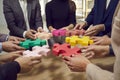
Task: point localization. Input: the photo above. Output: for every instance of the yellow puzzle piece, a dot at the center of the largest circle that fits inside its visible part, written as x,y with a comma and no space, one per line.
75,40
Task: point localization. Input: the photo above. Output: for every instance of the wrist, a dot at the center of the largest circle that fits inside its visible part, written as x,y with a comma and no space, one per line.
87,65
24,34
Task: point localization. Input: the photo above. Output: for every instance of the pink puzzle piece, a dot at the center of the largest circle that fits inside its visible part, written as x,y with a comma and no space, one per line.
37,51
75,32
65,50
60,32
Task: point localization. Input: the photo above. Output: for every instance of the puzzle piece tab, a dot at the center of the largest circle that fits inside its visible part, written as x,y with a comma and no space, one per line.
27,44
37,51
65,50
75,40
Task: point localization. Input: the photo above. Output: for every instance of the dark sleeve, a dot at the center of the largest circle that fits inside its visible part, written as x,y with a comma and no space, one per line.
48,15
3,37
108,27
90,16
72,16
39,22
10,19
9,71
111,50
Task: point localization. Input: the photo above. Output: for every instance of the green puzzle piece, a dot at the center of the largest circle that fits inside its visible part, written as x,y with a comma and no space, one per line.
27,44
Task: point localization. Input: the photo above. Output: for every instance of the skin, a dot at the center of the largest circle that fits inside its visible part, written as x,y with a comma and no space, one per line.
76,63
9,46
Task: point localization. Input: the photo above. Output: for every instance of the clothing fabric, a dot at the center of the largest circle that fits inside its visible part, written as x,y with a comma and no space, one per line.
23,4
95,73
101,15
58,14
15,18
3,37
9,71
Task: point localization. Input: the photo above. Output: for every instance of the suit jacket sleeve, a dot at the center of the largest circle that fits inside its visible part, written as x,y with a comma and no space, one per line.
95,73
9,71
3,37
48,15
72,16
90,16
10,19
38,18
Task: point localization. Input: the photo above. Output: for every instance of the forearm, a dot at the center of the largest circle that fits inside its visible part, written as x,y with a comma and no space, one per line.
39,22
95,73
9,71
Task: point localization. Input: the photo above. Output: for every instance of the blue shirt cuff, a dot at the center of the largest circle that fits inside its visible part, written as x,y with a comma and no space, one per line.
0,47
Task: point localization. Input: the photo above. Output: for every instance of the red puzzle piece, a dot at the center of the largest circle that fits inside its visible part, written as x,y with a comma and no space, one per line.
65,50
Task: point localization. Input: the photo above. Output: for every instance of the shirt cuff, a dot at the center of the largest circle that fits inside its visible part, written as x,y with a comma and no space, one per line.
24,33
0,47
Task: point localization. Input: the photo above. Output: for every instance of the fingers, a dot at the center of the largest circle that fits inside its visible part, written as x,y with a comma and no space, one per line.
90,33
16,47
40,29
36,58
67,58
21,39
89,55
33,31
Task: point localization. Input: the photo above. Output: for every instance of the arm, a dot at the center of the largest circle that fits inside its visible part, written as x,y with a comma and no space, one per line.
95,73
10,19
48,16
9,71
72,16
90,16
3,37
38,18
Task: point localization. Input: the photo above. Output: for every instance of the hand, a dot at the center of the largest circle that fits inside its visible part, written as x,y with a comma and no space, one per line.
27,63
69,27
105,40
9,46
10,56
40,29
77,63
94,30
81,25
13,38
30,34
95,51
51,28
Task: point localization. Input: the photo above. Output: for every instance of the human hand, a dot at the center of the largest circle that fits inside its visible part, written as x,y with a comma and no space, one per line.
95,51
76,63
9,46
40,29
10,56
81,25
51,28
30,34
27,63
94,30
13,38
104,40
